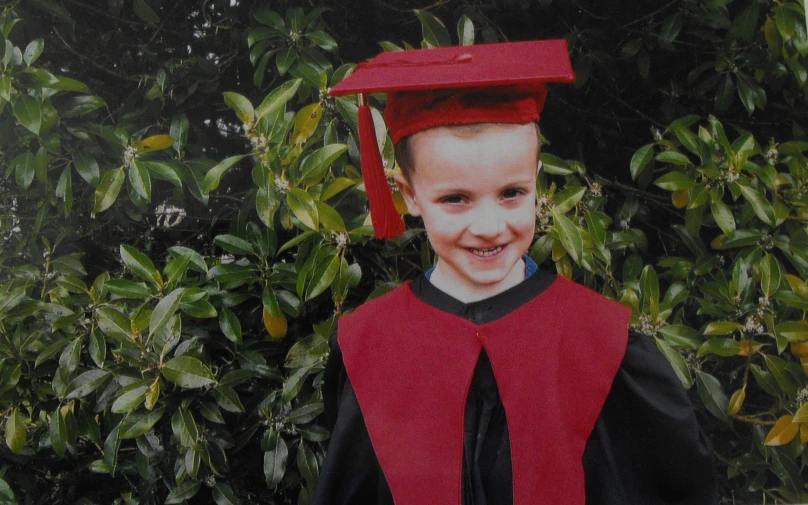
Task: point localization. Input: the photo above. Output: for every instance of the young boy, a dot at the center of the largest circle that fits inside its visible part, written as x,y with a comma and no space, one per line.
488,381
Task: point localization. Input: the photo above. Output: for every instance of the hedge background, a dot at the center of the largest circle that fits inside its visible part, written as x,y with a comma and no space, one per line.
183,221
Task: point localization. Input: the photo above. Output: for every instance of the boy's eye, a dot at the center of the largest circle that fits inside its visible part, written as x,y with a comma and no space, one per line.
452,199
510,194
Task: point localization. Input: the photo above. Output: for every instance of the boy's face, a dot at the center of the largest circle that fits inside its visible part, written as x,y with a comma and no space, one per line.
476,191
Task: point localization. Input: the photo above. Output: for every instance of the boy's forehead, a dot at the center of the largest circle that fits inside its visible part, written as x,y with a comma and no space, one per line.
447,155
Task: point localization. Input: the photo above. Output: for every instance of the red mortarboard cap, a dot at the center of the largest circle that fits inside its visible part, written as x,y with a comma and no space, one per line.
488,83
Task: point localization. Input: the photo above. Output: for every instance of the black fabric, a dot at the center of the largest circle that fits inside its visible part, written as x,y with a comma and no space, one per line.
646,447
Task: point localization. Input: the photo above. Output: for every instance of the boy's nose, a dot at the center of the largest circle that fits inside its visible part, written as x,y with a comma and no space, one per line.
487,223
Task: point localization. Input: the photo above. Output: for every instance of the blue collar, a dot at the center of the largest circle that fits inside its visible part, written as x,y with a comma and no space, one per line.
530,268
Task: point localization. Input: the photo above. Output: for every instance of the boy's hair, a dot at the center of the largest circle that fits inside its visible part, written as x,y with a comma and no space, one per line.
404,156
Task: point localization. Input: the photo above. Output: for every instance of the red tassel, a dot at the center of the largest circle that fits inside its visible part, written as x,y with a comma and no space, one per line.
387,223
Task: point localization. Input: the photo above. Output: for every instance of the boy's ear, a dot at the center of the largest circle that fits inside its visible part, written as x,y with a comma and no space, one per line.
408,193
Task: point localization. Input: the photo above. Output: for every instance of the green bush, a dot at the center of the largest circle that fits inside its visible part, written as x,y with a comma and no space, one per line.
190,367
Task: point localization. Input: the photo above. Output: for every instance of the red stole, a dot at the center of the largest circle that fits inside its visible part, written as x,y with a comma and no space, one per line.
554,359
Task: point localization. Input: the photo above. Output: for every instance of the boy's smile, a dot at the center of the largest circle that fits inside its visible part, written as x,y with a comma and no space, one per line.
475,188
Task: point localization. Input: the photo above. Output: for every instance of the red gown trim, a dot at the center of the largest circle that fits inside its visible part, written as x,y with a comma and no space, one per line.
554,360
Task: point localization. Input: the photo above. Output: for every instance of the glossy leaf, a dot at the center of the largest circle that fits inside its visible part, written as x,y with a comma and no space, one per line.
278,98
242,106
433,30
15,432
783,431
28,112
275,463
214,175
108,188
188,372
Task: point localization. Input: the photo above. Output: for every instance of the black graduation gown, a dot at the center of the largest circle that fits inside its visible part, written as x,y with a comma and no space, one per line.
646,447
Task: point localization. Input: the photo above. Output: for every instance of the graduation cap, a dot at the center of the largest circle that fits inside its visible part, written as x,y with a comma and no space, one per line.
426,88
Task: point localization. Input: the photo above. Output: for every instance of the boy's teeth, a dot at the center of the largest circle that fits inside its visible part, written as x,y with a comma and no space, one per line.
487,252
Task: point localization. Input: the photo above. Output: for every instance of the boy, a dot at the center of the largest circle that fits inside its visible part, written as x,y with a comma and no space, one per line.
486,381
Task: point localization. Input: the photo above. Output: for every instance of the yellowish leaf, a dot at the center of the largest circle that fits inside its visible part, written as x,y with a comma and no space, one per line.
680,197
736,402
155,143
306,122
804,433
801,415
800,349
804,363
401,205
794,282
276,325
749,347
783,432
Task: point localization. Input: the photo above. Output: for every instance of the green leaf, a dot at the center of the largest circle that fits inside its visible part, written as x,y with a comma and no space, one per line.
57,429
285,59
640,160
275,463
770,275
793,331
139,264
554,165
322,280
128,289
130,399
228,399
302,206
144,12
194,257
315,165
568,198
86,383
183,492
278,97
223,495
114,324
322,39
214,175
242,106
270,302
15,432
722,328
434,31
336,186
675,180
677,362
87,167
673,157
108,189
763,209
165,310
649,284
465,31
681,336
188,372
233,244
81,105
720,346
140,180
28,112
230,325
111,446
25,170
68,84
329,217
570,236
723,216
139,422
33,51
712,394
